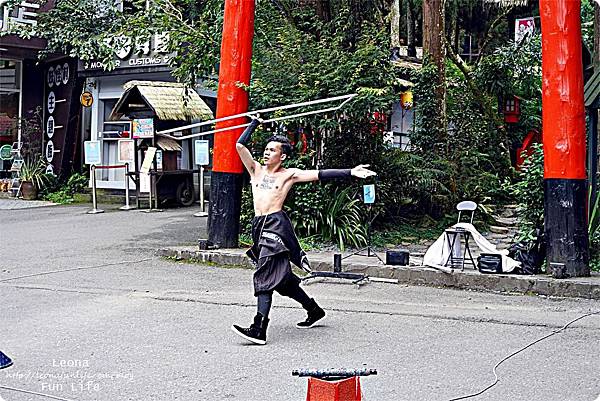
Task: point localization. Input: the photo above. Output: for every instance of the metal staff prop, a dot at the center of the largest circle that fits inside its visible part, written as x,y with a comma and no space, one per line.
345,98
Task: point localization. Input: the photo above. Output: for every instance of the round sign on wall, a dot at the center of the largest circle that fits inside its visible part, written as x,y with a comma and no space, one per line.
51,102
50,169
49,151
51,77
65,73
50,127
86,99
5,152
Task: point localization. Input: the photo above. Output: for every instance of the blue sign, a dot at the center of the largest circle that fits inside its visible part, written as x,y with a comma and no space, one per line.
92,152
369,193
201,152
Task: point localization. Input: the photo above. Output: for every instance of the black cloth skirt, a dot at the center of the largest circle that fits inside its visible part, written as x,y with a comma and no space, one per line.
275,245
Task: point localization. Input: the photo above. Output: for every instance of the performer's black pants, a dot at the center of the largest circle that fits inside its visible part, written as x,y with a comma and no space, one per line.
288,288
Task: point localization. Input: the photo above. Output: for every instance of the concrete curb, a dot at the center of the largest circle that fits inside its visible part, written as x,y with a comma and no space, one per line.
580,287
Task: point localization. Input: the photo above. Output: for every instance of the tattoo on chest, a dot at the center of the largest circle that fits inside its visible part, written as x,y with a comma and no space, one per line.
268,182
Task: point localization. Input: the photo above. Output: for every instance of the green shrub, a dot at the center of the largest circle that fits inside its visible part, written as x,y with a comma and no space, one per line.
63,194
528,193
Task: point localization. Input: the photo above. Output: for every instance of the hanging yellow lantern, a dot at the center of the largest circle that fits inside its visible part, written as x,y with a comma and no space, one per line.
406,100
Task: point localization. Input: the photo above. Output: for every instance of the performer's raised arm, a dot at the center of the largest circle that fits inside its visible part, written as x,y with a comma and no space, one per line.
249,162
360,171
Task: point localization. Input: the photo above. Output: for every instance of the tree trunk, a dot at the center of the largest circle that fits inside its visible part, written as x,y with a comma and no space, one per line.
395,24
410,29
321,7
434,49
596,60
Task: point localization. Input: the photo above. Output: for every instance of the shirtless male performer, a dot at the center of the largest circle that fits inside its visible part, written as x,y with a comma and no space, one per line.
275,243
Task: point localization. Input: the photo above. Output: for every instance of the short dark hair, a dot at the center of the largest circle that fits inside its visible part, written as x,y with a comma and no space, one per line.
286,146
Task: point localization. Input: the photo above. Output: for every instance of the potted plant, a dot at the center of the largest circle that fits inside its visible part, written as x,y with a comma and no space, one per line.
33,177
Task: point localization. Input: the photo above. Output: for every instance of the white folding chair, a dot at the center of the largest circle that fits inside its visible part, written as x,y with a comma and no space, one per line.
457,257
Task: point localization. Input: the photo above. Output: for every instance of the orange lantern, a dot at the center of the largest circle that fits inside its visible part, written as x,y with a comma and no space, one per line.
406,100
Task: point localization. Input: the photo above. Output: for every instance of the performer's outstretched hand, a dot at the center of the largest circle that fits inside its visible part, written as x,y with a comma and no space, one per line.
361,171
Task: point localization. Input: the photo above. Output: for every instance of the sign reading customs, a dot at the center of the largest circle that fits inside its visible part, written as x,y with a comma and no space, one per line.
86,99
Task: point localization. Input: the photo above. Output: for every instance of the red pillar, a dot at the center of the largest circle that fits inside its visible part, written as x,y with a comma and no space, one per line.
235,67
563,121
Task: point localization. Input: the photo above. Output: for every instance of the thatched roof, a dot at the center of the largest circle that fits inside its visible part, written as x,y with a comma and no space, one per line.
165,100
167,144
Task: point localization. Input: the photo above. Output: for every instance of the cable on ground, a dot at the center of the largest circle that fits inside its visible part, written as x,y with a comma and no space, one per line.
497,379
35,393
76,268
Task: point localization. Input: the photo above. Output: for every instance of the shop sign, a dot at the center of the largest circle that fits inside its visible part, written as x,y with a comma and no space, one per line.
49,151
65,73
58,75
159,160
143,128
50,127
24,13
201,152
524,27
86,99
144,182
91,150
5,152
369,193
126,151
51,102
130,54
148,159
50,77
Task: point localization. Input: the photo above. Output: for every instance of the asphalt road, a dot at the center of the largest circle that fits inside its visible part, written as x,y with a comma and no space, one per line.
87,312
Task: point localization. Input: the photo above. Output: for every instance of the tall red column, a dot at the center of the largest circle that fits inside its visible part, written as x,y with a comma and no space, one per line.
563,121
232,98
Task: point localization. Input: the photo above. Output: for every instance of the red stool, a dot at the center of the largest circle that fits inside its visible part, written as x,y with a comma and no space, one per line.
334,384
339,390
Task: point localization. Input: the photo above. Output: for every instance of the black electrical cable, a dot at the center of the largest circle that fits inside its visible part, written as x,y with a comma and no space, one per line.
518,351
124,262
35,393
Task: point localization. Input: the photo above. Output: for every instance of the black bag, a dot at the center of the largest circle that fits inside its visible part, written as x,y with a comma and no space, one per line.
530,253
489,263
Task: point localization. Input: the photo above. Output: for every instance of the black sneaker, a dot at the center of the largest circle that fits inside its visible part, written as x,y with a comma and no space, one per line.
315,313
256,333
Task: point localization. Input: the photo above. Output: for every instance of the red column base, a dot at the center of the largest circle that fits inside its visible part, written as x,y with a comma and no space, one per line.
339,390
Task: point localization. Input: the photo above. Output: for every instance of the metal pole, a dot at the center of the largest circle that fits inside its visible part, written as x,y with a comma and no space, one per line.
201,213
95,209
127,206
153,190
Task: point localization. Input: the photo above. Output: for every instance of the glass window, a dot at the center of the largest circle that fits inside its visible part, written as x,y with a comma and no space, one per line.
10,100
113,129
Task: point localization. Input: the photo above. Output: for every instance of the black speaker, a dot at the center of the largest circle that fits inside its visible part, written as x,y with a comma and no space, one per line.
397,258
489,263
